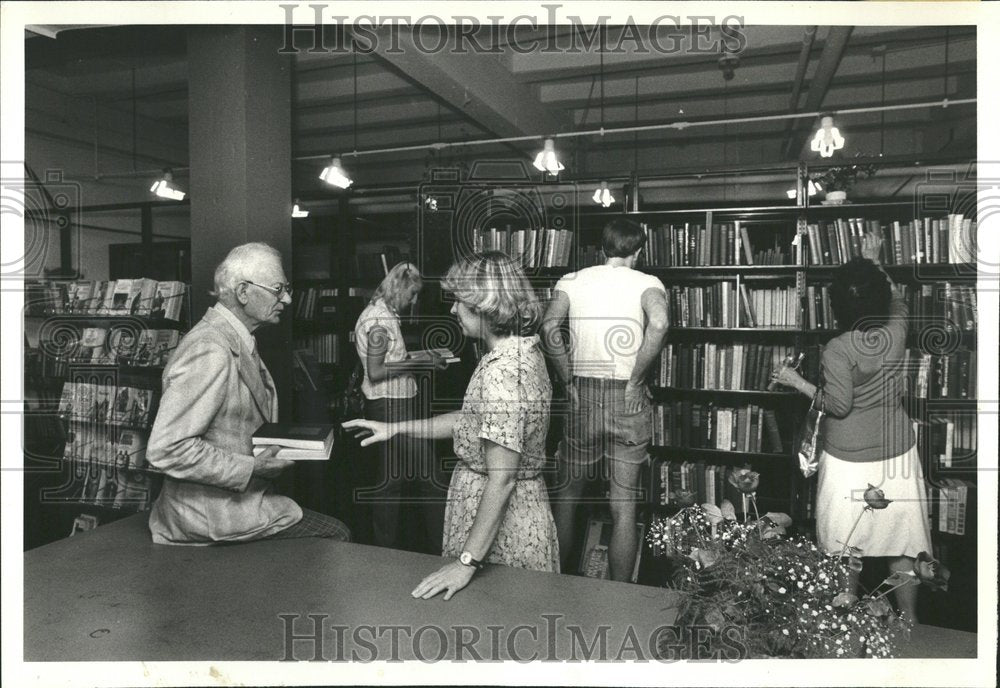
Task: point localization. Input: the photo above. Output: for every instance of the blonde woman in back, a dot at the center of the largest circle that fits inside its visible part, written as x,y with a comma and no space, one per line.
390,391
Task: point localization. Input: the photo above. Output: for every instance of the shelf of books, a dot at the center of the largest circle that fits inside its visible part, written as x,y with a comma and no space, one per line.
101,347
747,287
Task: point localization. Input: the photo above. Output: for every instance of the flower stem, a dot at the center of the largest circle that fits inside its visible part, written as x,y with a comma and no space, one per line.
847,542
883,594
753,500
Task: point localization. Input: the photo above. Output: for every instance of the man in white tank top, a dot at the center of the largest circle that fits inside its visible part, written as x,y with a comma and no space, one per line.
617,322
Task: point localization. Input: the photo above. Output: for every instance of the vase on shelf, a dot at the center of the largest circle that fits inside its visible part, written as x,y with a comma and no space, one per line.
836,197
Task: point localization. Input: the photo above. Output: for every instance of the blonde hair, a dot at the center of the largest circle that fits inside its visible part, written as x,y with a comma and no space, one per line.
494,285
401,277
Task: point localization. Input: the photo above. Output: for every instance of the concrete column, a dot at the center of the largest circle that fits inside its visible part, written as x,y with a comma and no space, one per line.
239,102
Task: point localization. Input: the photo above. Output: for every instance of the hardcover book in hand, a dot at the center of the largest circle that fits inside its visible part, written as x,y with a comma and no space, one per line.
445,353
298,441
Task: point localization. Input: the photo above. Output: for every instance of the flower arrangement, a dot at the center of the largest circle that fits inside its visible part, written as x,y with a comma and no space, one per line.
791,598
843,177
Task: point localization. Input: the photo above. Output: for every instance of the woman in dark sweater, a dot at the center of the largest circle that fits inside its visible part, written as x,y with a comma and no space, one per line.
867,436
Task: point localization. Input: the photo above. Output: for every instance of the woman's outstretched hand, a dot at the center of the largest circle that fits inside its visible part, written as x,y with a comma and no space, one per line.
370,431
451,578
871,247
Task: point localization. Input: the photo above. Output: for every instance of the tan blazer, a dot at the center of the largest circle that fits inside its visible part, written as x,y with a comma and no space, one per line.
214,398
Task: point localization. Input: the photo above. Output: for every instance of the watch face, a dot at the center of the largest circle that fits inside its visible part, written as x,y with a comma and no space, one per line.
465,558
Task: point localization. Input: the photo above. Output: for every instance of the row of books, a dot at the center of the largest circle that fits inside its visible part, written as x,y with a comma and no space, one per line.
719,366
717,244
949,239
955,305
323,346
944,376
949,502
818,312
949,439
104,485
532,248
693,425
106,403
122,345
708,482
122,448
315,303
142,296
722,304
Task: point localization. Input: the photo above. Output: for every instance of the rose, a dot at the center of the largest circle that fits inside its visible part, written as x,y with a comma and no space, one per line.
875,498
745,480
728,510
931,572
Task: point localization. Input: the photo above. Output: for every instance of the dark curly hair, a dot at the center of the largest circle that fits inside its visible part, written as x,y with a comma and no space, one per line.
860,295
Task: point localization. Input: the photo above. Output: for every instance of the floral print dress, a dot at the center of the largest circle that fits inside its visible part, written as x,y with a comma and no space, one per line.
507,402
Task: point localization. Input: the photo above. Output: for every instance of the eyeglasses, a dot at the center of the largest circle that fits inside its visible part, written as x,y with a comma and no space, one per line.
279,292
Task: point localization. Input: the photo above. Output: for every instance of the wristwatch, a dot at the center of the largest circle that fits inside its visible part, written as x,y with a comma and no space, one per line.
465,559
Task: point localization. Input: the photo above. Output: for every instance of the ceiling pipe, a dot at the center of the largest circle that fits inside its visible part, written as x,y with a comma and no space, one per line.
801,67
819,85
679,126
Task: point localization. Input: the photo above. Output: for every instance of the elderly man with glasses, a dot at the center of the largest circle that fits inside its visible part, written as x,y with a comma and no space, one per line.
216,393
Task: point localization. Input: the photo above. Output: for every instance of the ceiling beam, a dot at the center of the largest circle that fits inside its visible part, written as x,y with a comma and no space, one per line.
476,85
894,77
776,53
829,61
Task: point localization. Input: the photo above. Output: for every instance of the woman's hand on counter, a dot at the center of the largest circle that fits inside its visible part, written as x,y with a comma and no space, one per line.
451,578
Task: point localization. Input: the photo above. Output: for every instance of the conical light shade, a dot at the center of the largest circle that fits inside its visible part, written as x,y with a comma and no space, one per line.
603,195
546,160
334,175
827,138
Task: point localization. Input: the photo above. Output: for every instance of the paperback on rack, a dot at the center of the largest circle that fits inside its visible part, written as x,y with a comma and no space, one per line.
140,296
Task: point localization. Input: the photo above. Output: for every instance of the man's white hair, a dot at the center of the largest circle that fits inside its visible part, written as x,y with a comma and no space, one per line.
240,265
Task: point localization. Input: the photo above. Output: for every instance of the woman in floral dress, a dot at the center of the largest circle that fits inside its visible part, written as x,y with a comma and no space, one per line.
498,509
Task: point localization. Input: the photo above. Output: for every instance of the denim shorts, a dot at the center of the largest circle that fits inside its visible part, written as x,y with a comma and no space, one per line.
599,425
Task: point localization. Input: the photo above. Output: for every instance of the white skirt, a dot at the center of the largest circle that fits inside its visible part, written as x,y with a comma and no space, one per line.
901,529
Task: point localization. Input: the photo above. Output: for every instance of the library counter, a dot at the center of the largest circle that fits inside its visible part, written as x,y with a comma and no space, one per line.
111,594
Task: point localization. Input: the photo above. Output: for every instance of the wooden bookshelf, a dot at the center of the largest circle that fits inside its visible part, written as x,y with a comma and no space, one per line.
792,220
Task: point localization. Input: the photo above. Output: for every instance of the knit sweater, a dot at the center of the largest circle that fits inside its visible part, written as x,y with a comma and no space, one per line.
864,378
